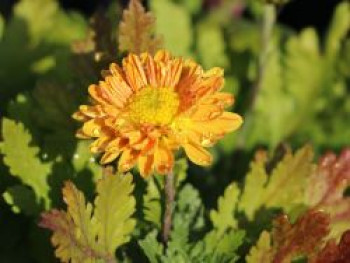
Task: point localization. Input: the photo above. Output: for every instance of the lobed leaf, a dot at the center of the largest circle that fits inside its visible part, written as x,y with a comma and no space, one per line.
285,187
136,30
289,241
262,252
339,28
333,252
326,187
303,238
151,247
73,231
114,207
23,160
84,234
224,217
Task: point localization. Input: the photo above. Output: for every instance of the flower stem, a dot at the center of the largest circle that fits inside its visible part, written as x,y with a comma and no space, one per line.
269,20
267,25
169,203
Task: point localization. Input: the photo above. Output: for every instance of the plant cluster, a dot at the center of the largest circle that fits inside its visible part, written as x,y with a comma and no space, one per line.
260,201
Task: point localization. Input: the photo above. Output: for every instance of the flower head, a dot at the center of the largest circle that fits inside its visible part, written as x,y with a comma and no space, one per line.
150,107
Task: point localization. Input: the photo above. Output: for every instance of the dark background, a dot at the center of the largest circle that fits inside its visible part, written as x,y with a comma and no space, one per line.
297,13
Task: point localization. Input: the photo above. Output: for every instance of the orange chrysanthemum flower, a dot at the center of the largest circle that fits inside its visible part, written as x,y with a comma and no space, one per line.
152,106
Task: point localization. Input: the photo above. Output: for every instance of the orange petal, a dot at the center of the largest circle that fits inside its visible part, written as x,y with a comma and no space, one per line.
225,123
134,136
219,98
95,93
92,111
198,154
162,56
127,160
81,135
206,112
150,70
134,72
80,116
109,157
163,159
146,165
92,128
99,145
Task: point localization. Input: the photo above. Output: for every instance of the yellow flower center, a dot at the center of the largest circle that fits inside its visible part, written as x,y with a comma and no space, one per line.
156,106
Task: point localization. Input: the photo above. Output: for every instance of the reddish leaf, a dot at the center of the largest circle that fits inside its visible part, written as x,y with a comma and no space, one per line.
300,239
333,253
326,190
136,30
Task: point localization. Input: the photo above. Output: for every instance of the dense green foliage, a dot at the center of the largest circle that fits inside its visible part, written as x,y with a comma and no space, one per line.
292,89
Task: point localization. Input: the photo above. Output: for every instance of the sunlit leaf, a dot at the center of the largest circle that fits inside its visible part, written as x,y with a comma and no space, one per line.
326,189
262,252
113,210
87,234
284,188
23,161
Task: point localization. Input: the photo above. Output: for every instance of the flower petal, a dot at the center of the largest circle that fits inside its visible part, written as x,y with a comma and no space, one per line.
134,72
109,157
198,154
127,160
163,159
146,165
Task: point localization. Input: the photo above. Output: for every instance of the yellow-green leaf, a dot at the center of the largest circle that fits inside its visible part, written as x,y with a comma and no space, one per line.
224,217
23,160
114,208
262,252
89,234
285,187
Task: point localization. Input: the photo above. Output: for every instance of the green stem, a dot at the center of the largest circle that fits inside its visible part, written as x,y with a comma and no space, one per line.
269,20
268,23
169,189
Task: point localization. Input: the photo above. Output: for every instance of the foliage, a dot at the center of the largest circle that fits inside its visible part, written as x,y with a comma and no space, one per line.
137,29
87,234
292,204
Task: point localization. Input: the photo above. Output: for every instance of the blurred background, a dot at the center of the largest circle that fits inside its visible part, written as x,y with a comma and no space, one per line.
288,66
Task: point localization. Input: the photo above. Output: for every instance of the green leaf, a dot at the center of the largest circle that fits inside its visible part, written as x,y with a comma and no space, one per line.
211,35
222,247
152,203
339,28
224,217
193,6
82,160
22,200
152,207
87,234
114,208
151,247
46,21
23,161
284,188
188,218
177,32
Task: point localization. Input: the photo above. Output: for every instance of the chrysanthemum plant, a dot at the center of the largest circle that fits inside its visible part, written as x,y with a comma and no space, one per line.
150,112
